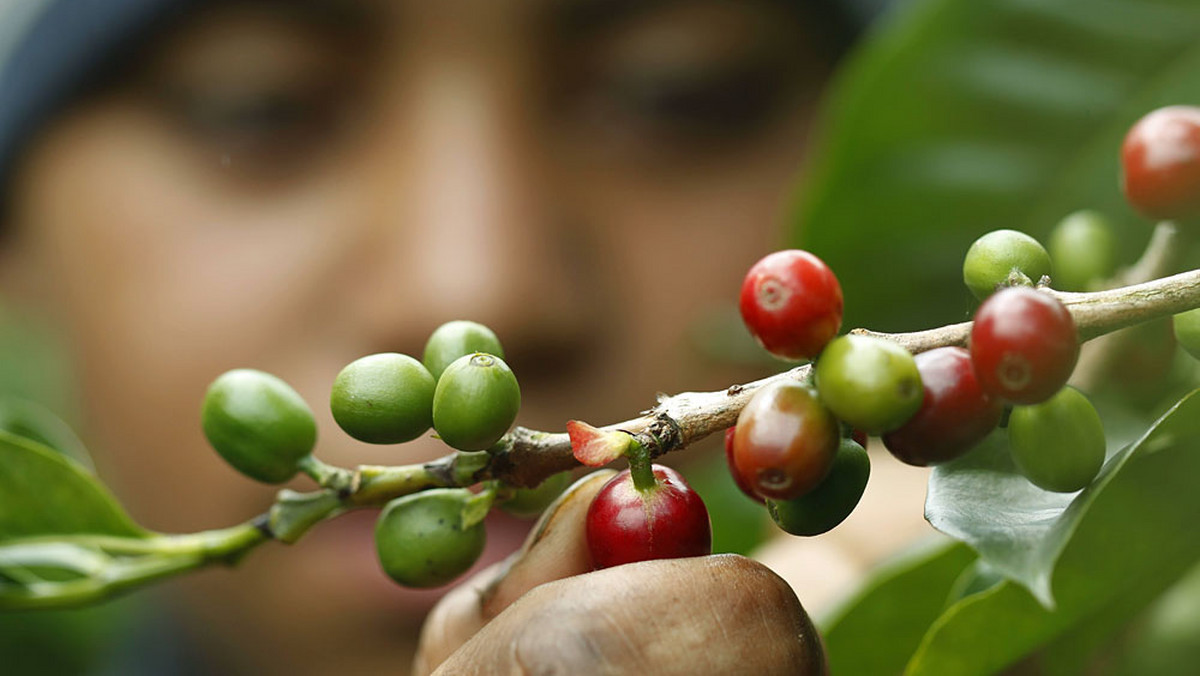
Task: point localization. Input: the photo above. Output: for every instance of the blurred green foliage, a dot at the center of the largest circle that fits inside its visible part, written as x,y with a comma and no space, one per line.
958,117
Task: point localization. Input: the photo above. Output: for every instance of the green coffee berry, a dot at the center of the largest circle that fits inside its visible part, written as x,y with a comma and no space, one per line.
422,539
1187,331
1058,444
259,424
996,255
1083,250
476,401
383,399
530,502
456,339
870,383
832,500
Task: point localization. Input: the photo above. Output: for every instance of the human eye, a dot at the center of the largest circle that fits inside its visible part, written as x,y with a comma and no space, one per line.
689,76
261,123
255,91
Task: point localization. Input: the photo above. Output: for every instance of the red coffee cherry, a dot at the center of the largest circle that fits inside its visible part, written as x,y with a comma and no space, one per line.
1160,162
785,441
954,415
792,303
1023,345
625,525
737,476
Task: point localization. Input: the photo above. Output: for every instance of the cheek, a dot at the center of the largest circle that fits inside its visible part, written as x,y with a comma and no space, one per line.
164,278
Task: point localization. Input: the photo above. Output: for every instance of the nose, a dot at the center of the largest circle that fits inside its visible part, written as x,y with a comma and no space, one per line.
465,226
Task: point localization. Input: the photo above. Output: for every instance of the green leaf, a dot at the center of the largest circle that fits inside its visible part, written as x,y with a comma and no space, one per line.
1108,552
37,423
892,610
45,493
1017,528
962,117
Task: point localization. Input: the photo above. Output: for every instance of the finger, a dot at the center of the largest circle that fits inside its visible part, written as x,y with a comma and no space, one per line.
708,615
556,548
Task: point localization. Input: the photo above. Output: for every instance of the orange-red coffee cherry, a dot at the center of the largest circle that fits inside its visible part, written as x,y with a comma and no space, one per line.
1160,162
785,441
1023,345
792,303
955,413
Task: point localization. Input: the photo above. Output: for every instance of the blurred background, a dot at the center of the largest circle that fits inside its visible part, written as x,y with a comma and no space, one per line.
192,187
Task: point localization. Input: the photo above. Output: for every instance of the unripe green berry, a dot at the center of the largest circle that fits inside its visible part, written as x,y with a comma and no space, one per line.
832,500
1187,331
423,541
258,424
476,401
1083,250
870,383
996,255
1058,444
456,339
530,502
383,399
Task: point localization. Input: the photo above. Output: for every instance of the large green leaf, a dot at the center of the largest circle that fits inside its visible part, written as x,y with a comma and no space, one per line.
1019,529
1106,554
964,116
44,493
878,629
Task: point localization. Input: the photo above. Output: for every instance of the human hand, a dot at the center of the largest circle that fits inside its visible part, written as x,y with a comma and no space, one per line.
542,611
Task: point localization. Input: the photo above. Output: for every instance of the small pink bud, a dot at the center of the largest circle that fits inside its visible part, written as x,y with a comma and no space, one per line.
595,447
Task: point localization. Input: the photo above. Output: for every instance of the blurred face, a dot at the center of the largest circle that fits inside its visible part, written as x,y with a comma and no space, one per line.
290,186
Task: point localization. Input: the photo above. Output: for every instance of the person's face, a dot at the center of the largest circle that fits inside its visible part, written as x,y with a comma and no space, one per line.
290,186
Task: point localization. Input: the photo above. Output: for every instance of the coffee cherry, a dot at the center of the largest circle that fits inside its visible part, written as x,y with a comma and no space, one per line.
871,383
1023,345
258,424
625,525
383,399
530,502
1083,250
1160,162
996,255
476,401
423,541
955,413
784,441
1187,331
456,339
832,501
1059,444
792,303
738,479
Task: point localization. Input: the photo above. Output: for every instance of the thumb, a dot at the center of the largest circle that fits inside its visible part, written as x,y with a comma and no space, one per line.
555,549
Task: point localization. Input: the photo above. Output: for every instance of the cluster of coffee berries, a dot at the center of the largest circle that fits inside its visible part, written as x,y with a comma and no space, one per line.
793,447
462,388
787,449
1023,348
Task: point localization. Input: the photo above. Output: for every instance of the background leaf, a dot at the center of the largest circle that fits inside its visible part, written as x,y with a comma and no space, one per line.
878,629
1127,541
962,117
44,493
